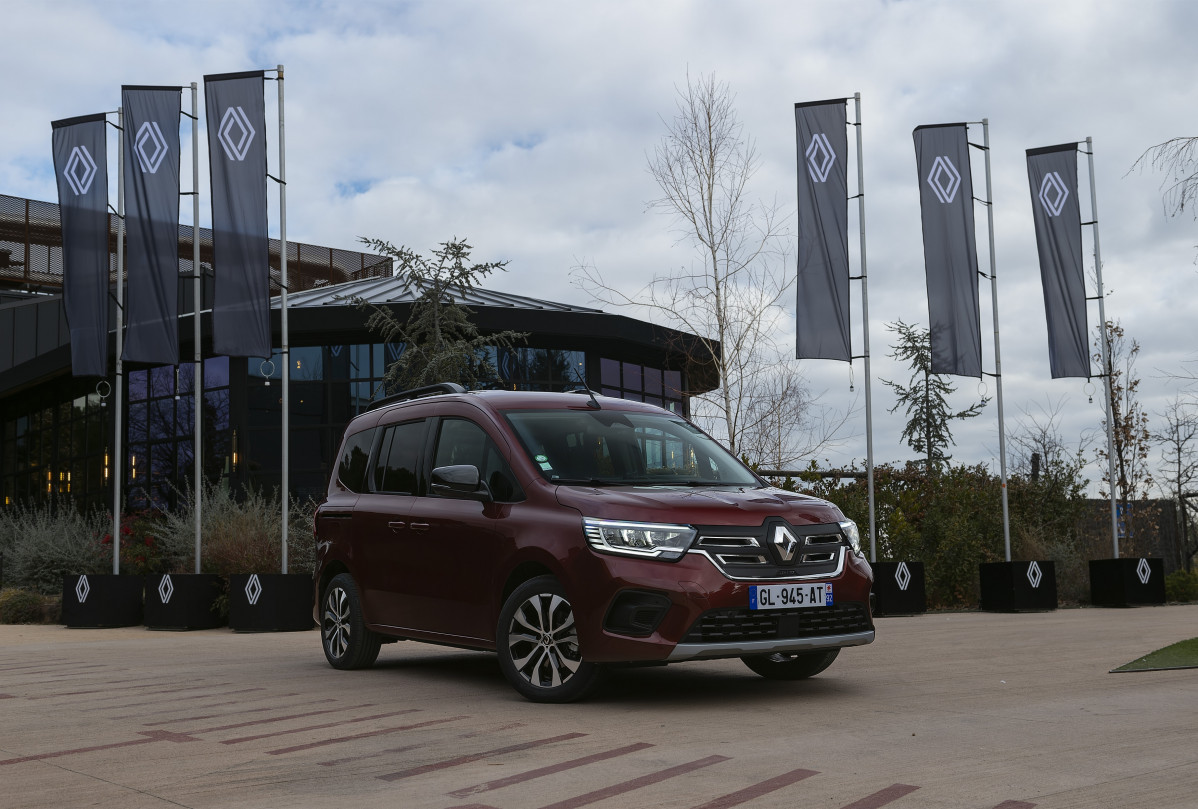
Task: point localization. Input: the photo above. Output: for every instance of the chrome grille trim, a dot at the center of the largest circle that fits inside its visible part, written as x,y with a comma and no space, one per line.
799,576
745,553
736,542
739,559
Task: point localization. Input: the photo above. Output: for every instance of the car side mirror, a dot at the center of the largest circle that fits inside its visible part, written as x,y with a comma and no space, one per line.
462,481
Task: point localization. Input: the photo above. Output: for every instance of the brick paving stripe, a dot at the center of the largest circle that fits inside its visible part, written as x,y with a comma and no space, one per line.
552,769
764,788
499,751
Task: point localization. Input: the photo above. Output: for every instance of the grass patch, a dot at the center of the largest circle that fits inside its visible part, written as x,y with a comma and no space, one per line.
1183,655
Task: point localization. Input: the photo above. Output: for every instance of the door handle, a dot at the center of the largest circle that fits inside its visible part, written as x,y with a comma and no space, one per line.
419,526
396,525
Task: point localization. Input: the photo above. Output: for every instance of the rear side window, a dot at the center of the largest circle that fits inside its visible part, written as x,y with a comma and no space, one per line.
464,442
355,455
399,455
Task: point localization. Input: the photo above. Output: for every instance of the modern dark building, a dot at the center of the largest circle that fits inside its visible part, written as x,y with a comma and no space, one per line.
57,431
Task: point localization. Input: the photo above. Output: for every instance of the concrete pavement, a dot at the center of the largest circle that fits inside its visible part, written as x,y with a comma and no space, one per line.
952,710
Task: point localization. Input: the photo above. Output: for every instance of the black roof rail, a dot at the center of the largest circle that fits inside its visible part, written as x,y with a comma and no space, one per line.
417,393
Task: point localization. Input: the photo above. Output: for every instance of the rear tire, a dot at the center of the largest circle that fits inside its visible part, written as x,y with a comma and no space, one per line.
537,642
790,665
347,643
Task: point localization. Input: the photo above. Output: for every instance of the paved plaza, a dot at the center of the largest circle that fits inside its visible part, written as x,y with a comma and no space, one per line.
944,711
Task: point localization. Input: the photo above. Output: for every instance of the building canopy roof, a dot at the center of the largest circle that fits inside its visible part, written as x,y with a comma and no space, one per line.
395,290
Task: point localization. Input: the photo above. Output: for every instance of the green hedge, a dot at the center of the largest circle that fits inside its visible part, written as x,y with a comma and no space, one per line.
1182,586
20,607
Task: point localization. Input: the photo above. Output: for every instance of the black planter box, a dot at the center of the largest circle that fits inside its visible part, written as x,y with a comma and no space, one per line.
270,602
1127,582
183,601
899,588
101,600
1018,586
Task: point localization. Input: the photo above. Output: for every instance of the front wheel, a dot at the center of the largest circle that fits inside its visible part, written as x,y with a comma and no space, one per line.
348,644
537,642
790,665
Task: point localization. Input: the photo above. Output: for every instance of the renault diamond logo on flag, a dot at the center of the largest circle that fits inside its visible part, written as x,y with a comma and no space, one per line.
236,148
944,179
80,171
1053,193
786,543
149,137
820,158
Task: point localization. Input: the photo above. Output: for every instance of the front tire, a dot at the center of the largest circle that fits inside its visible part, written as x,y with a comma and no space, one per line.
537,642
790,665
347,643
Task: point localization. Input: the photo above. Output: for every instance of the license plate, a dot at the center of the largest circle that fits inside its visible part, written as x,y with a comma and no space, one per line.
789,596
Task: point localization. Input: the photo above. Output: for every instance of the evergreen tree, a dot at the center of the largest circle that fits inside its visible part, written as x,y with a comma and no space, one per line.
925,397
441,344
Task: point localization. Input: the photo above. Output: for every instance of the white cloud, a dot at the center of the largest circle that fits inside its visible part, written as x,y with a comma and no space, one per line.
524,126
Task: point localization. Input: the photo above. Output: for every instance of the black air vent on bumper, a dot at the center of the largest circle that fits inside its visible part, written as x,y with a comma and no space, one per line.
738,625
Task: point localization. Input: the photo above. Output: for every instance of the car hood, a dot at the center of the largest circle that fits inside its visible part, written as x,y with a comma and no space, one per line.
698,506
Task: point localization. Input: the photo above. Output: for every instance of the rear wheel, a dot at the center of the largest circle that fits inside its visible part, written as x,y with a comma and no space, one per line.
537,642
348,644
790,665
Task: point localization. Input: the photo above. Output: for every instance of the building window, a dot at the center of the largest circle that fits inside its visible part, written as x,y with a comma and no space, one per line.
641,383
54,445
525,368
160,430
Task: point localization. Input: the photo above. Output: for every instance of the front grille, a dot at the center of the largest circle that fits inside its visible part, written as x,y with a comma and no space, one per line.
738,625
749,552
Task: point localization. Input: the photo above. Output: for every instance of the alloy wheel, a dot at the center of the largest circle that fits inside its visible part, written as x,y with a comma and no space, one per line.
335,623
543,641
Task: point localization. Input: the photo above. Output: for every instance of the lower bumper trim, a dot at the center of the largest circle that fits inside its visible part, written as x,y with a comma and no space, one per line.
707,651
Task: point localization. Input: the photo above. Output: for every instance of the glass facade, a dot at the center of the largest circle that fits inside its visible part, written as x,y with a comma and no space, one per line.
160,429
642,383
59,440
55,442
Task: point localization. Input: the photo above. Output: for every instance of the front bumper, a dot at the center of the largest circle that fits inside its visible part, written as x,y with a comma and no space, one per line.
709,614
710,651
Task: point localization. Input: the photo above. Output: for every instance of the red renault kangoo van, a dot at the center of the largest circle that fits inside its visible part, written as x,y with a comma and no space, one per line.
570,532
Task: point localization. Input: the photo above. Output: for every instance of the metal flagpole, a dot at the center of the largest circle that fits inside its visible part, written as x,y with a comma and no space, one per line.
197,305
869,415
119,457
1002,438
1106,352
286,495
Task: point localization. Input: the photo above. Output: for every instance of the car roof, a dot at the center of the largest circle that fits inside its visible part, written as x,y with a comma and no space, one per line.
529,400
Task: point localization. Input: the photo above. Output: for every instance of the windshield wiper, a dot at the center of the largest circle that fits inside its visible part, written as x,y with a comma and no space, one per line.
585,482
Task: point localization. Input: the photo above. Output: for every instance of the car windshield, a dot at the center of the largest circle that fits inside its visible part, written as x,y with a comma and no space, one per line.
620,448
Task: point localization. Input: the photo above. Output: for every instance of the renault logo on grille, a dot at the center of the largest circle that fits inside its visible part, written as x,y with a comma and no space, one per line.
785,542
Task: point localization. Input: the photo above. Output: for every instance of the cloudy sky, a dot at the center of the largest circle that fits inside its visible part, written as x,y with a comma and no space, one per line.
525,126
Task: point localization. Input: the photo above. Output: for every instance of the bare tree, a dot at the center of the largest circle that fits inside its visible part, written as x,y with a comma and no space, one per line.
1179,450
783,425
1037,446
1178,159
729,295
1131,435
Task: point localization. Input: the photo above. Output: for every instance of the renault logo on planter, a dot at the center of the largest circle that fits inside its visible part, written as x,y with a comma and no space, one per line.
785,542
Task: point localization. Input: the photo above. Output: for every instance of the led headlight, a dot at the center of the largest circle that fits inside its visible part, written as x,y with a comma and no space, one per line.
849,528
653,540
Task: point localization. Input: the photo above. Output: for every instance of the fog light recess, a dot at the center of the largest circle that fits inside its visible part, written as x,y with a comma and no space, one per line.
636,612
